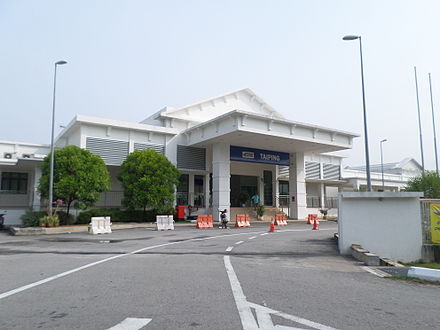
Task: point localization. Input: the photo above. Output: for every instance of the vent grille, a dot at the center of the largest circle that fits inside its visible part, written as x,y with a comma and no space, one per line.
191,158
160,149
332,172
111,151
283,171
313,170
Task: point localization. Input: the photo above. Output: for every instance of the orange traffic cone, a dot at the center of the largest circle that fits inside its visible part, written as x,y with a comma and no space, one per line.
315,225
308,220
272,227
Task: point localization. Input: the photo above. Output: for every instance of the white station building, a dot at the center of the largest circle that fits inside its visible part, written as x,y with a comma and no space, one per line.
227,148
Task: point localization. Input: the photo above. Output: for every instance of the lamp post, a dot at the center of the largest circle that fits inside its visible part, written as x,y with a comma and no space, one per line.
433,125
52,156
367,155
381,162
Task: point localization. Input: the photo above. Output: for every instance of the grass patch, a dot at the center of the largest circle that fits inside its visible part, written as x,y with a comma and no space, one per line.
412,279
434,265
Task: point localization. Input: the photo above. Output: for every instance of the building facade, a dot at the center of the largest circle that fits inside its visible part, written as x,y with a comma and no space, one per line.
227,149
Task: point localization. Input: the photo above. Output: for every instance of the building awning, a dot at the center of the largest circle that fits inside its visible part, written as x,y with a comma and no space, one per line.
248,129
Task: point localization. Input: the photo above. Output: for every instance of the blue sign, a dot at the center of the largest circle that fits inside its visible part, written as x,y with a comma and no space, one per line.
243,154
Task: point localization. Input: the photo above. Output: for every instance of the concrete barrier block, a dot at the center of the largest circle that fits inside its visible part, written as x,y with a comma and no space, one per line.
371,259
424,273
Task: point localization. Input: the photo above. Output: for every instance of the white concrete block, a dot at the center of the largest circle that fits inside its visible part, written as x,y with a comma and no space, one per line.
424,273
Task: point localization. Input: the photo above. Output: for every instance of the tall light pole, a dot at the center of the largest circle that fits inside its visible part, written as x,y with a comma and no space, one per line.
52,156
433,125
367,154
381,162
420,121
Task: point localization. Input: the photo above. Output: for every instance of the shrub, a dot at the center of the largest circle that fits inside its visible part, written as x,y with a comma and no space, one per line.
116,215
32,218
260,210
66,219
49,221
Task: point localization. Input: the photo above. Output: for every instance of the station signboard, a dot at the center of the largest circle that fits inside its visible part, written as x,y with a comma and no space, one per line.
251,155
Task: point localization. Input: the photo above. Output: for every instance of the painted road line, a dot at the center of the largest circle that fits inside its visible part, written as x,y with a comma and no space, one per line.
131,323
263,314
229,249
252,237
376,272
264,234
69,272
239,242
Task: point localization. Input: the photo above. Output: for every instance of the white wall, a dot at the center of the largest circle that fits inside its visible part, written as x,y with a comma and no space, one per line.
385,223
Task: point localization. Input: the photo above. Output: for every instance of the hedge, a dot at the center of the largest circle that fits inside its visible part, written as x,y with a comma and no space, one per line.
116,215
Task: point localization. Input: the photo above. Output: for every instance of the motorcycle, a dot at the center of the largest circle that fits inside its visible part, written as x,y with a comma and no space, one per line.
2,220
223,219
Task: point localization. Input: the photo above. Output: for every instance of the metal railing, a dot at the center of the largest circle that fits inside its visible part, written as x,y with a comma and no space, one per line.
331,202
313,201
283,204
185,198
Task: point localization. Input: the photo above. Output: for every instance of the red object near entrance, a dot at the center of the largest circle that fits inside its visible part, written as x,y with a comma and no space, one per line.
180,212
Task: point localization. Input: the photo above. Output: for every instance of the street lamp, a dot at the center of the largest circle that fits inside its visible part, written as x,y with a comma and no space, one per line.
367,156
381,162
52,156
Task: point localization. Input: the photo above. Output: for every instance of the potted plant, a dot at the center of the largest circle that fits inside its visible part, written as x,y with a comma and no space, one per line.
43,221
324,213
260,211
243,197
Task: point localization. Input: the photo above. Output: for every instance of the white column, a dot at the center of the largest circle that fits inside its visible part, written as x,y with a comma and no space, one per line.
221,176
322,194
277,187
191,189
297,186
206,190
36,199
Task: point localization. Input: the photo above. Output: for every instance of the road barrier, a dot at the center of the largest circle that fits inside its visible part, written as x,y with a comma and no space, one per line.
280,219
272,226
204,221
242,220
100,225
164,222
311,217
315,224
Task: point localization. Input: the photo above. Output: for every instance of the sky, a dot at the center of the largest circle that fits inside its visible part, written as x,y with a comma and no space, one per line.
128,59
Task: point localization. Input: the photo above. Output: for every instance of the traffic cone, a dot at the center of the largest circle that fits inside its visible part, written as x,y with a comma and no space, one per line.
272,227
315,225
308,220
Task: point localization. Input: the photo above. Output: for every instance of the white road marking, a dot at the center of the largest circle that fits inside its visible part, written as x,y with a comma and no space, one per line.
263,313
239,242
131,323
49,279
264,234
252,237
229,249
376,272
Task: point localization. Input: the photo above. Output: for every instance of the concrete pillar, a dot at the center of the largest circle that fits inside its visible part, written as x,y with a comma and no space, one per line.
297,186
36,199
261,187
322,194
191,189
206,190
221,177
276,187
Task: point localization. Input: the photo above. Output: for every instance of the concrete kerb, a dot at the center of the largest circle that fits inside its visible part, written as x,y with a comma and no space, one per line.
28,231
424,273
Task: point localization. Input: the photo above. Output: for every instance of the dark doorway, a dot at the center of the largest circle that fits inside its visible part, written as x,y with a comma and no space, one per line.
242,189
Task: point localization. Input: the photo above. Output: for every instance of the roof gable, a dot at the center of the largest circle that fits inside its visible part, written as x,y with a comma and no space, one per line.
243,99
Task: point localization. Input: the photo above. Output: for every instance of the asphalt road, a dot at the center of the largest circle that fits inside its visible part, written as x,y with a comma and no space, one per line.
202,279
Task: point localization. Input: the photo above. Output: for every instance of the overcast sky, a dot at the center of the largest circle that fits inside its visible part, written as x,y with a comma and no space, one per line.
127,59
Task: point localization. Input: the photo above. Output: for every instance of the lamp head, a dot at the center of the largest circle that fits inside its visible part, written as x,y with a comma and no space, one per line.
350,37
60,62
384,140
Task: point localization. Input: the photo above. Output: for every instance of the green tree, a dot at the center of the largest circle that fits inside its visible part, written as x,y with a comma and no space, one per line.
149,180
79,176
427,182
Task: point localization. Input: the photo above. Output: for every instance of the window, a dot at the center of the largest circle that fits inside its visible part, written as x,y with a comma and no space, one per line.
14,182
284,187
